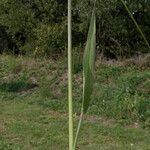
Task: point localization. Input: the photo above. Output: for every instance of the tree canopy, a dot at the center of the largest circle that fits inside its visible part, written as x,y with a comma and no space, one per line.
39,27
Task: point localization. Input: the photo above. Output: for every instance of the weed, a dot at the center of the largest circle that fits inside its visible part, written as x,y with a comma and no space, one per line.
14,65
45,88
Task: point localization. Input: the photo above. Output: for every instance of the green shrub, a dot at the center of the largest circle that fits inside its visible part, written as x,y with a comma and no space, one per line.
51,39
35,28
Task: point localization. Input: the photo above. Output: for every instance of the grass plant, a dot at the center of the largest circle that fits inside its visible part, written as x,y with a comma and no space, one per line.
88,71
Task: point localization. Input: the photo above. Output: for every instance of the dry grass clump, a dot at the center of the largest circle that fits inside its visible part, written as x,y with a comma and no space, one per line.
139,61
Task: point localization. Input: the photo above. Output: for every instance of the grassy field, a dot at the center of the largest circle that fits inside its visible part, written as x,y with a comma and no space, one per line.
33,105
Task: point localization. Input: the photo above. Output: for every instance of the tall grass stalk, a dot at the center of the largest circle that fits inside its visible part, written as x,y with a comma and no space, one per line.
136,24
70,99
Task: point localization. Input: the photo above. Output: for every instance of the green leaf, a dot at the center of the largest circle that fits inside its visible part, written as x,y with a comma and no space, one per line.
88,63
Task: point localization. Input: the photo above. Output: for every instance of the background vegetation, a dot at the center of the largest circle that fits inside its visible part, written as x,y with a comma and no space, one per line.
39,27
33,105
33,90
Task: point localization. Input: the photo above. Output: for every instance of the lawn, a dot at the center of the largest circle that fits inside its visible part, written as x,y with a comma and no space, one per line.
33,105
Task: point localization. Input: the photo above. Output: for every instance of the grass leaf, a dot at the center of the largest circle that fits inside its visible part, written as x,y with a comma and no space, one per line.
88,63
136,24
88,71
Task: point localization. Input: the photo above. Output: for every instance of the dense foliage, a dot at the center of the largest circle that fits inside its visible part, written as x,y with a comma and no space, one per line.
39,27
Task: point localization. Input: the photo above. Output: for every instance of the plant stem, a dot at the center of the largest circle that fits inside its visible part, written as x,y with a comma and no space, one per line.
136,24
70,107
78,129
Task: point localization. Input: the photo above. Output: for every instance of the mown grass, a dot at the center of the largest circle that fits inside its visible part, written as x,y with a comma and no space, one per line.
33,106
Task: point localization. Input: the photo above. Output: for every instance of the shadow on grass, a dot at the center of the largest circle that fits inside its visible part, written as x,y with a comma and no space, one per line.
16,86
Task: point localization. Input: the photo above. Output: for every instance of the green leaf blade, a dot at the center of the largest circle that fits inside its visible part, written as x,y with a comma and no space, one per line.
88,64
